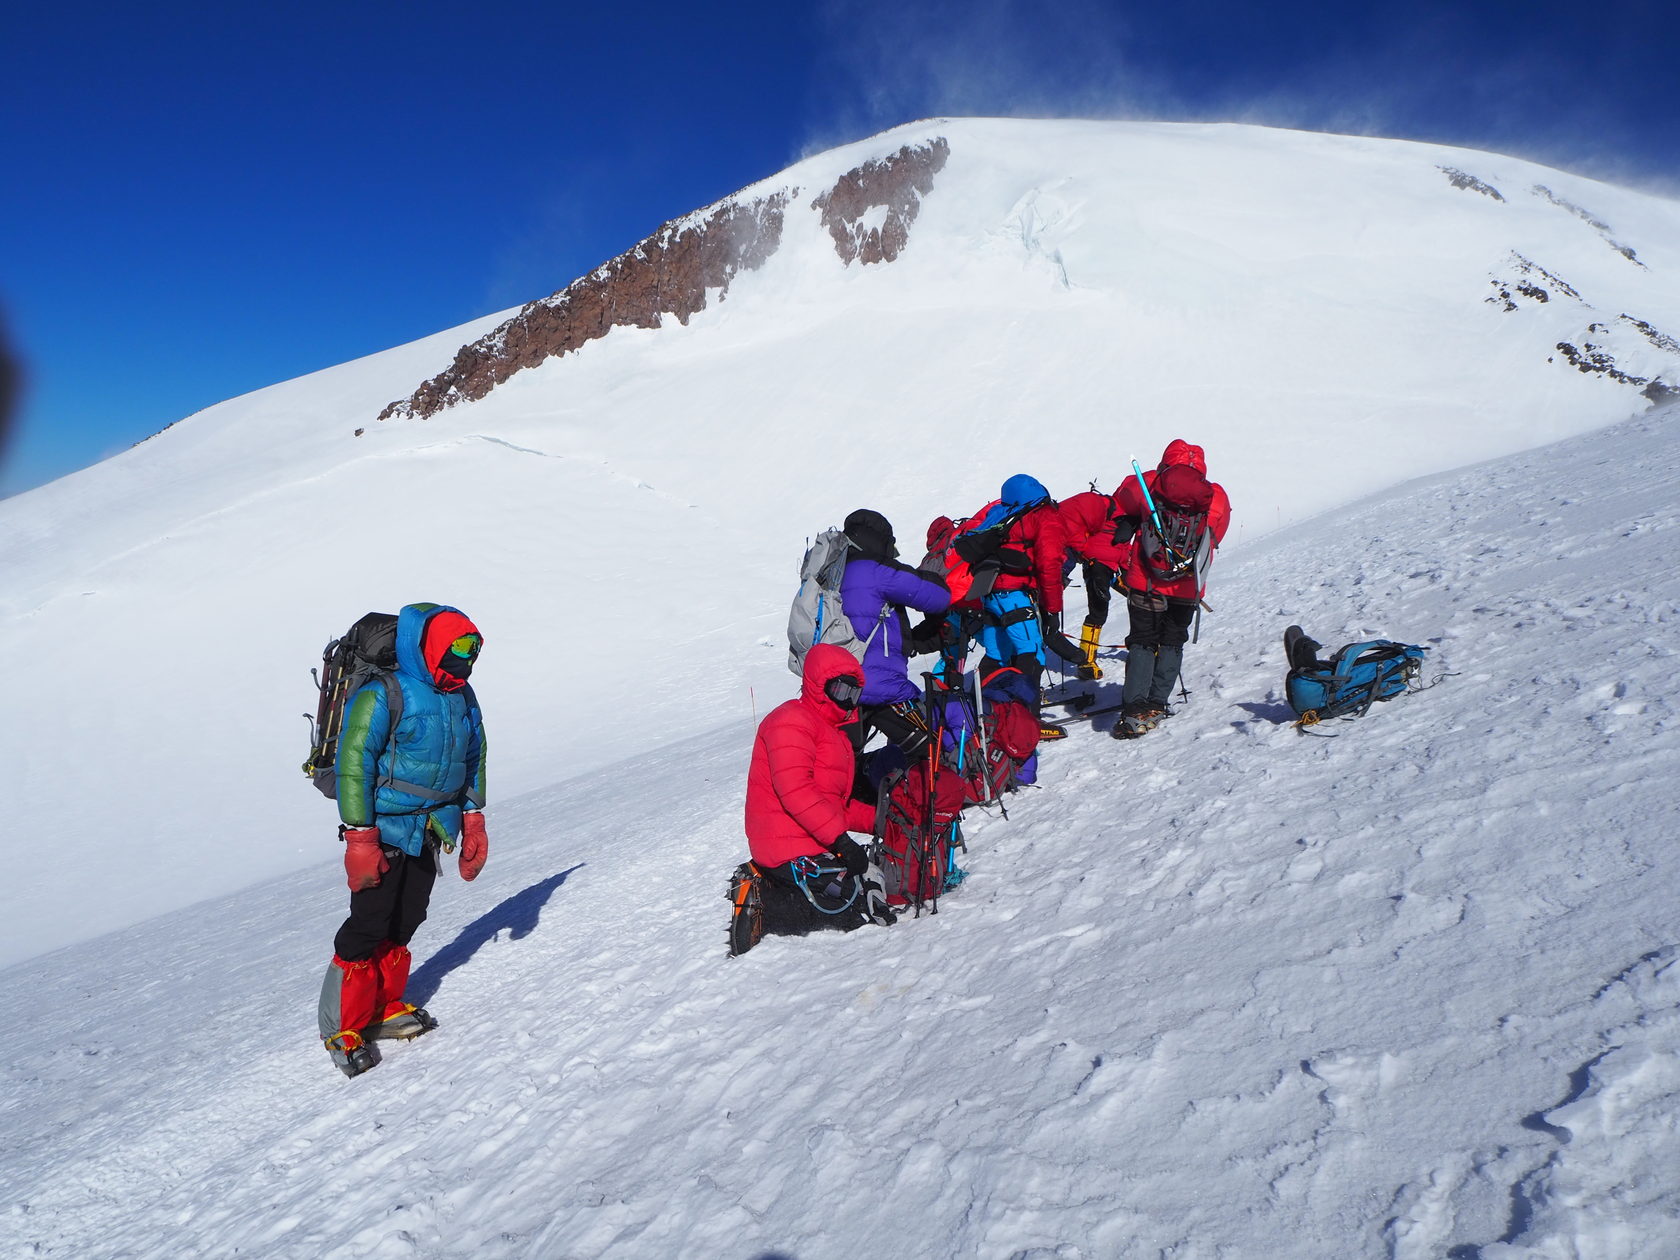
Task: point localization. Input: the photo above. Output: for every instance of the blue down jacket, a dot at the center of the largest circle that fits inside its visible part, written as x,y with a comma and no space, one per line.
438,747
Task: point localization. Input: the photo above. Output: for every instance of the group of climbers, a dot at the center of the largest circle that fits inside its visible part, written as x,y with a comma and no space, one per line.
996,578
401,745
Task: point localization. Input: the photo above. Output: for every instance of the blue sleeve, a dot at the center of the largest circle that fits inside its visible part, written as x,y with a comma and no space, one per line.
478,759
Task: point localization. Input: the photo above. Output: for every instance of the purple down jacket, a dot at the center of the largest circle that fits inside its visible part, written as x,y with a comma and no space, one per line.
874,594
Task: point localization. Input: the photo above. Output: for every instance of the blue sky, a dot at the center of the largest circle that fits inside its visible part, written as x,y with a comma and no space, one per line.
199,200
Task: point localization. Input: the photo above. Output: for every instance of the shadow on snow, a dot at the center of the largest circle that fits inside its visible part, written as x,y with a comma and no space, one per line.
517,916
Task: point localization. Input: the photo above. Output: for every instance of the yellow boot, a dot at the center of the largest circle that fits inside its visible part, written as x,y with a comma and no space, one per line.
1090,639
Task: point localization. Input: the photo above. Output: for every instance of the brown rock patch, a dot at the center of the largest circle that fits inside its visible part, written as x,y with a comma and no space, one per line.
898,182
668,273
672,272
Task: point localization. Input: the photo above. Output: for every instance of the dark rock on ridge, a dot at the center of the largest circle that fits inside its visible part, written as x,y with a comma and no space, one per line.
1463,180
1596,224
675,271
668,273
897,182
1526,283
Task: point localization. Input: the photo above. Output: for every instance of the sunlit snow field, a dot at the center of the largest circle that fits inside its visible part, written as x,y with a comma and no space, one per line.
1227,991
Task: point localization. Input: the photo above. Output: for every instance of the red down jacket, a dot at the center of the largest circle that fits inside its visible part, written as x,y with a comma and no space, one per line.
1088,520
1039,534
799,789
1129,501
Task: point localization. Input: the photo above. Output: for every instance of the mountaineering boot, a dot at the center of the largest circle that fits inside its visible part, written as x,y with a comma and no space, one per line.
1302,652
348,993
1090,640
1137,718
404,1025
746,917
352,1055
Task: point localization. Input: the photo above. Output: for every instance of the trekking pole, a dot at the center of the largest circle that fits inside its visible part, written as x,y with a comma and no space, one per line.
928,837
980,725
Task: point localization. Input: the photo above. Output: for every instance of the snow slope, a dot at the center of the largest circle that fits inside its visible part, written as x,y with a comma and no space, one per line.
1228,991
1321,312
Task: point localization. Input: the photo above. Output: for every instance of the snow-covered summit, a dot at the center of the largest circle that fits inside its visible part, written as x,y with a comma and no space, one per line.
1326,315
870,208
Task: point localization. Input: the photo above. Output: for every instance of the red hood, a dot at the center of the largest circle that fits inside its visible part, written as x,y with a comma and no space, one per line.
823,664
442,630
1181,452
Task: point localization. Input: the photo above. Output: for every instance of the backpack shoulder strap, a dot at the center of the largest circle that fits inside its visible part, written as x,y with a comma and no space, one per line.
1349,655
394,703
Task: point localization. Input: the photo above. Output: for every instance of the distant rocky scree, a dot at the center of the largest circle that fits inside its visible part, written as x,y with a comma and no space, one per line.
1524,278
869,212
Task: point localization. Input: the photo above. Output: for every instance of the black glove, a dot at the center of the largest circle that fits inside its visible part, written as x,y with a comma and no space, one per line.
851,853
1059,643
927,635
1125,529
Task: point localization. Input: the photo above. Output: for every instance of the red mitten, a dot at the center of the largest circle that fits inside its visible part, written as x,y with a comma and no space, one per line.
475,845
364,861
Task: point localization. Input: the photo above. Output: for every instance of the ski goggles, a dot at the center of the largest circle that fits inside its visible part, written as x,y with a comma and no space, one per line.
467,646
845,691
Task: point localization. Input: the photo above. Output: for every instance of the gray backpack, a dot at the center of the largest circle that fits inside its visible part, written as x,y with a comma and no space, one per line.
816,616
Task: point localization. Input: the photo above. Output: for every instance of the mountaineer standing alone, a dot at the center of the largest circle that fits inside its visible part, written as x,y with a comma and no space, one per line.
410,765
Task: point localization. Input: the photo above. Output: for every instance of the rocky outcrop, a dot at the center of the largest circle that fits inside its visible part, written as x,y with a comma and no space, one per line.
869,211
671,272
684,265
1594,358
1468,182
1591,358
1527,279
1596,224
1658,338
1522,278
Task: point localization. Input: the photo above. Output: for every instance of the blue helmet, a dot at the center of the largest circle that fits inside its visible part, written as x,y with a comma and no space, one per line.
1022,491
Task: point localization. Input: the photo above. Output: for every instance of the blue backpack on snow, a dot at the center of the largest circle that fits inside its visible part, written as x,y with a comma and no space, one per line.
1353,679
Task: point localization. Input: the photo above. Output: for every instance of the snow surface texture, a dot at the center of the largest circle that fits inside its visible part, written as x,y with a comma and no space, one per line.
1231,991
1327,315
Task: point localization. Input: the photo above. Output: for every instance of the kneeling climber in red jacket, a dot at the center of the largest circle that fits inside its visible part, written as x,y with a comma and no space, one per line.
808,872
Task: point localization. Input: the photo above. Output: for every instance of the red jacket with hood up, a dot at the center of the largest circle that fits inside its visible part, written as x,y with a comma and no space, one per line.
799,789
1088,520
1129,501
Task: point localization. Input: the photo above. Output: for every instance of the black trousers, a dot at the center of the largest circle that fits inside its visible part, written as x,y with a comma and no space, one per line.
1099,587
392,910
789,912
1167,626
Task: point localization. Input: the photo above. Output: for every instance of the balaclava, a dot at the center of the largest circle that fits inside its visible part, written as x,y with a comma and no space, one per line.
449,647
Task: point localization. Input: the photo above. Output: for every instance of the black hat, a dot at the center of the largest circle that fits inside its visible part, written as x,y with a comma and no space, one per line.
871,533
